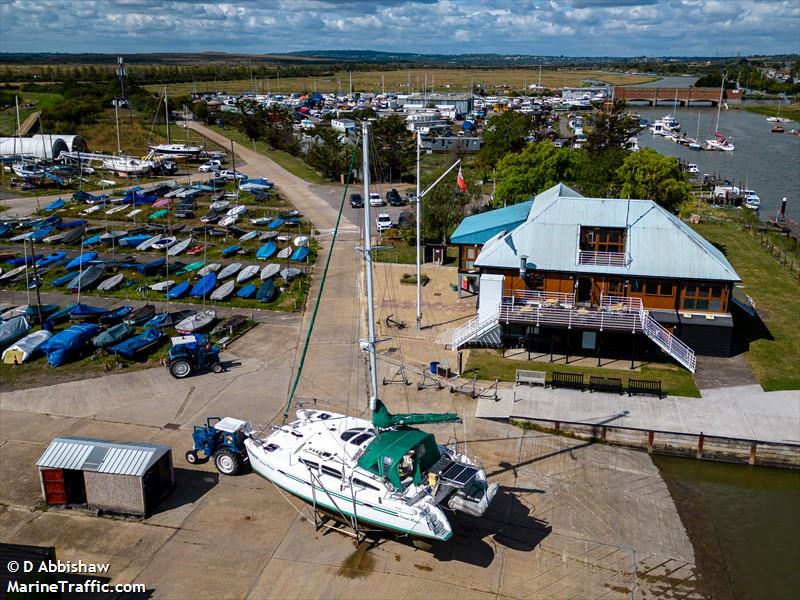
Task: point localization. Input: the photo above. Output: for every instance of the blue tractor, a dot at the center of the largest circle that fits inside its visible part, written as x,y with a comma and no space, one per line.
193,352
222,439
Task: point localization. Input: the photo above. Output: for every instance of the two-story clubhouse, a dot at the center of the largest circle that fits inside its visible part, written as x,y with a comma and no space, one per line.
591,273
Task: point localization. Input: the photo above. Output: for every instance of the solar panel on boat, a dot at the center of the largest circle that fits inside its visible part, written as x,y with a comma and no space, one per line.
460,474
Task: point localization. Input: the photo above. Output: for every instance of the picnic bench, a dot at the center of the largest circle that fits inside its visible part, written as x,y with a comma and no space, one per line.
645,387
612,385
530,377
566,380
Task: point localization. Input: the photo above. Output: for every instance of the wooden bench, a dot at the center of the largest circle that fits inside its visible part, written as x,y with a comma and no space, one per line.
530,377
645,387
612,385
566,380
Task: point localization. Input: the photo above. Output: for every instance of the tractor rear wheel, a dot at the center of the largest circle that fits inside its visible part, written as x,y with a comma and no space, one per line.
191,457
180,368
217,367
227,461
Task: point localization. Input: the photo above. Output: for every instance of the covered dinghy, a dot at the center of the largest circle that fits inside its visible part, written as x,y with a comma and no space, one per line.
112,335
13,329
139,343
26,347
63,345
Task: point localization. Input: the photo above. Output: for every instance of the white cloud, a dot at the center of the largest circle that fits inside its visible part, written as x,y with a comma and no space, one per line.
550,27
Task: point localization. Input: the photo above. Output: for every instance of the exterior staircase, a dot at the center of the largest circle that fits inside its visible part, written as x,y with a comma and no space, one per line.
543,309
483,330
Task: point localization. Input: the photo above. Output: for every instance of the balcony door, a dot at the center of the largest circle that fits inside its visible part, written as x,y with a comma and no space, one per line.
585,295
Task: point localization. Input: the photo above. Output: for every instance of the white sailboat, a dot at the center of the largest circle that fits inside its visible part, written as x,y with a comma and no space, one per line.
169,148
381,472
719,141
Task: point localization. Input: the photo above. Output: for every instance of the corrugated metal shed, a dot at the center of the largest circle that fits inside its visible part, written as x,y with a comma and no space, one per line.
659,244
88,454
477,229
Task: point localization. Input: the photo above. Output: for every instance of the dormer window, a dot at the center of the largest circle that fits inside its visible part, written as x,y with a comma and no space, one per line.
603,239
603,246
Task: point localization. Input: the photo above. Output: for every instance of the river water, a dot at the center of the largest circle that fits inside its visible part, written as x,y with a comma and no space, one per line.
766,162
744,524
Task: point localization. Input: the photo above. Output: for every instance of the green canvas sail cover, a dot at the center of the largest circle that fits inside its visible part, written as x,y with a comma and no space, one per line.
383,419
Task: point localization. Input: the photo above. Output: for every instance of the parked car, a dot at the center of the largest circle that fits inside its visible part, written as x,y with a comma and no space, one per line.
406,220
410,197
393,198
230,175
210,167
383,222
356,201
376,200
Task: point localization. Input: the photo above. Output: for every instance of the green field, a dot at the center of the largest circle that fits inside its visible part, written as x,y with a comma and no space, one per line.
791,112
438,81
777,297
40,100
489,364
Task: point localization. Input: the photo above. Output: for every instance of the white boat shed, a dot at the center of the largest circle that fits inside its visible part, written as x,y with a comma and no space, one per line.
123,478
42,146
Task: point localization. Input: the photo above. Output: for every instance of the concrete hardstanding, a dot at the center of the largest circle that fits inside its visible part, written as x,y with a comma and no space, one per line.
573,519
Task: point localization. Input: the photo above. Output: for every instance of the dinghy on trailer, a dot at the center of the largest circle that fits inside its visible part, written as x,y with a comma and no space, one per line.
180,247
209,268
196,322
203,287
270,270
111,282
26,347
229,270
223,291
162,285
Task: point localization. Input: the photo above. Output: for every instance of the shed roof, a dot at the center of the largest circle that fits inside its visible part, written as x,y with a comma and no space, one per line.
478,229
659,244
89,454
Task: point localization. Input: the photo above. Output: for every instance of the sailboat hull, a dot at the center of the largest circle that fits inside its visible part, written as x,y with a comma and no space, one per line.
366,512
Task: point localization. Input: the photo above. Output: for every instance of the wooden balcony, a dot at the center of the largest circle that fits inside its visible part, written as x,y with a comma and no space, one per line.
560,310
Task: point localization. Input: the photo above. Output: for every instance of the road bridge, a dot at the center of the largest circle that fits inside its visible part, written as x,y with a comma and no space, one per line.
685,96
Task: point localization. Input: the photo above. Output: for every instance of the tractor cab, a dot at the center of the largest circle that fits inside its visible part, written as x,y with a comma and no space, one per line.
192,352
222,439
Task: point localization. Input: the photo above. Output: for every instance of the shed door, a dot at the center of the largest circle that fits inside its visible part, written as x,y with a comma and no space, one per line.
55,492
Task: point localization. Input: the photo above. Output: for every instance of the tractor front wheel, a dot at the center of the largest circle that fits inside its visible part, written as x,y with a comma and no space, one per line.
227,462
217,367
192,458
180,369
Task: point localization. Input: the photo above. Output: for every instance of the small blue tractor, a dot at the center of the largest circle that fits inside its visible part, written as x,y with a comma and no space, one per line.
192,352
222,439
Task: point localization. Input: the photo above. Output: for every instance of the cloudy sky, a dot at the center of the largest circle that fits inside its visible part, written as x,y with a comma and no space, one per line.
549,27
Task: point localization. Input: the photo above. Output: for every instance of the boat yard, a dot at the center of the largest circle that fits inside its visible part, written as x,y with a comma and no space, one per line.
571,519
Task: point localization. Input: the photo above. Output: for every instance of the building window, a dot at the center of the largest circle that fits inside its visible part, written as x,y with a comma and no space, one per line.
702,297
659,287
615,287
602,239
470,254
637,286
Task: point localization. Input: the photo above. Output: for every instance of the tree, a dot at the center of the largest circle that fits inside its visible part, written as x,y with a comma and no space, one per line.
443,207
504,133
394,145
611,128
539,166
252,120
648,174
328,154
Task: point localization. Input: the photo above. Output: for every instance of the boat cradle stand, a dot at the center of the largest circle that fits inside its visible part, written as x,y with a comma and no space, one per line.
341,523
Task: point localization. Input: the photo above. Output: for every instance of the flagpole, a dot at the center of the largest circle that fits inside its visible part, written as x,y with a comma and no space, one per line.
419,274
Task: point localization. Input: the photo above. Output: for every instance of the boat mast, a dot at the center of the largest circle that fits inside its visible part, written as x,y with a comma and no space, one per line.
719,104
419,269
166,114
373,367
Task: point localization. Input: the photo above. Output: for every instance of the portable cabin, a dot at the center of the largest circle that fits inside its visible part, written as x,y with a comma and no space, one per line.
122,478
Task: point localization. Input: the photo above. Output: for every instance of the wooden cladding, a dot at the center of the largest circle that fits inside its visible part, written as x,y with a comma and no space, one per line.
657,294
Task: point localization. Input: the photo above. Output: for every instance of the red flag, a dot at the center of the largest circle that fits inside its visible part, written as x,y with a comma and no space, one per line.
462,185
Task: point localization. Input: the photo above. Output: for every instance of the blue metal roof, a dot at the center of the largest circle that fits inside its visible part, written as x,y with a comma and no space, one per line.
659,244
477,229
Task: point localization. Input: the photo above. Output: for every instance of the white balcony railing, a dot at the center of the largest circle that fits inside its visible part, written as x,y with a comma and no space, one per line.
604,259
